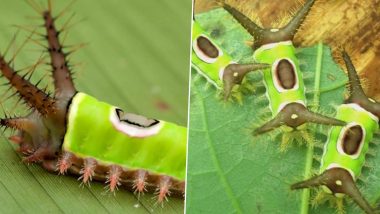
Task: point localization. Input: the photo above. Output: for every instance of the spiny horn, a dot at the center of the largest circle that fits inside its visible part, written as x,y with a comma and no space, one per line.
291,28
313,117
315,181
64,86
35,97
338,180
234,74
357,94
356,89
249,25
266,36
294,115
270,125
23,124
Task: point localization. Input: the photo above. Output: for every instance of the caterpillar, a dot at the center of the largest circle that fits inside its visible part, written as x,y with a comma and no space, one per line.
346,147
73,132
284,84
219,134
212,62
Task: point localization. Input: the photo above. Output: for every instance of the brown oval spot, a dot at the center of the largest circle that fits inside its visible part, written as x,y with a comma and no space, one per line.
206,46
285,74
352,140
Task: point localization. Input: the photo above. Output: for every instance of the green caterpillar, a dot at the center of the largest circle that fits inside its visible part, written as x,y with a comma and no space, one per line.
283,80
345,150
71,131
212,62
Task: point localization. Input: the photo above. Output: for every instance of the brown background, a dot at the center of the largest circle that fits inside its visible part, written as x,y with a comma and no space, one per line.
335,22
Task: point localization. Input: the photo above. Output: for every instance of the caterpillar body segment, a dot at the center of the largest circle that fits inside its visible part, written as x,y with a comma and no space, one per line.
72,132
128,140
285,89
346,147
344,155
212,62
283,79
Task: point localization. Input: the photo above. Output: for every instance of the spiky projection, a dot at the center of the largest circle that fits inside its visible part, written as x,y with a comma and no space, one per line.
267,36
72,132
211,61
346,148
283,80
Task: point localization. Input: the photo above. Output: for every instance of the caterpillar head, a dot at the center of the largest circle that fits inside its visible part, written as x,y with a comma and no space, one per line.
294,115
357,94
339,182
40,134
266,36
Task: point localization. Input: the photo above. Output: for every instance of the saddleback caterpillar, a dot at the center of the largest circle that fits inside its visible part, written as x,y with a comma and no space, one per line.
70,131
284,83
346,147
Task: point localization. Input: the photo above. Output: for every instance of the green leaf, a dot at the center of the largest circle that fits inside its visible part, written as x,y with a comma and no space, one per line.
137,58
230,171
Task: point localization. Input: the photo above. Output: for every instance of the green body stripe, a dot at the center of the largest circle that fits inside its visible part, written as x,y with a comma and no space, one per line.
209,70
351,113
270,54
90,133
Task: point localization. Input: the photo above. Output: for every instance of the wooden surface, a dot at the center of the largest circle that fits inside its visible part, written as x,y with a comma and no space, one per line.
355,23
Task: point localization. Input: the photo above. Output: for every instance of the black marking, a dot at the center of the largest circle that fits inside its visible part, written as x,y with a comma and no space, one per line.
69,102
123,118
